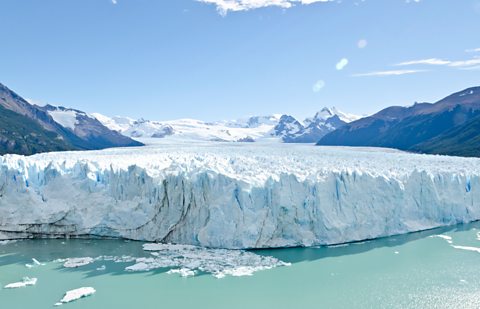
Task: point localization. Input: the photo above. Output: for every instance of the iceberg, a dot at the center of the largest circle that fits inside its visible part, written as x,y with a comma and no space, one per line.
75,295
77,262
25,282
235,196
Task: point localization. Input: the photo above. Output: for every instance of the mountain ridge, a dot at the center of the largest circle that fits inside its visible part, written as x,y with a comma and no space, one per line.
28,129
282,127
415,128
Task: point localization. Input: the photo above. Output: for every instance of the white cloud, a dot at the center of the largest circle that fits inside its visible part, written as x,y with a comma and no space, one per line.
319,85
389,73
435,61
465,63
362,43
341,64
224,6
473,50
431,61
114,1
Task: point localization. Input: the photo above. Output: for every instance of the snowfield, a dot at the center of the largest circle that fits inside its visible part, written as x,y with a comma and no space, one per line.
225,195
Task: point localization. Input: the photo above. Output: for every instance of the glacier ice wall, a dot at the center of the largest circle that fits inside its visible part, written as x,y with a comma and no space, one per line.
235,196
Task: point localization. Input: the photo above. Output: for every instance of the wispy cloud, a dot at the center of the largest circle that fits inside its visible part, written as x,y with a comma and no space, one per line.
389,73
114,1
465,63
435,61
473,50
431,61
224,6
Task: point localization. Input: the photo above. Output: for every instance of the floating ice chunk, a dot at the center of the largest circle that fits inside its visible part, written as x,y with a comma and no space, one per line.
168,247
184,272
240,271
118,259
77,262
139,266
35,263
82,261
218,262
475,249
7,242
446,237
25,282
76,294
219,275
338,246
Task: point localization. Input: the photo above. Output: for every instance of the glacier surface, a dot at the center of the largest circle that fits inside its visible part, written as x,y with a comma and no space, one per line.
235,195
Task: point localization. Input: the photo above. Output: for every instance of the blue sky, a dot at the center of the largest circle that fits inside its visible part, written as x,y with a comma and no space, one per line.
221,59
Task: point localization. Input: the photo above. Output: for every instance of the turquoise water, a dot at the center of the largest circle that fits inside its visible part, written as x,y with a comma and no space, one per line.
411,271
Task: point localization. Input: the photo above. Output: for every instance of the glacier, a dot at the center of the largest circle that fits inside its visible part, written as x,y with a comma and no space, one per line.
235,196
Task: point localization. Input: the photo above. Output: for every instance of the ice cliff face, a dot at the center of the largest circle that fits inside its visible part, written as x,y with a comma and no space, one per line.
235,195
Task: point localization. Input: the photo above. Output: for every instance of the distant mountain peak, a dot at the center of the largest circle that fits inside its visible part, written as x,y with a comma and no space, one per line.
325,113
328,112
51,128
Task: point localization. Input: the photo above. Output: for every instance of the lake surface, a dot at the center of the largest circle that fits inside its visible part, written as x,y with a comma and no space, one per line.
418,270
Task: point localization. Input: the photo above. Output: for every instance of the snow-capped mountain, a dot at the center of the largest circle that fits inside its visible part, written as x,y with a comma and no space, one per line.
287,127
327,113
87,128
253,121
27,128
313,129
189,129
279,127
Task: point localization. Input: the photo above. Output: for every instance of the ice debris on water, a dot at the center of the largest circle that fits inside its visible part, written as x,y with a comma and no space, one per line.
76,294
26,281
35,263
447,238
77,262
187,260
7,242
467,248
183,272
